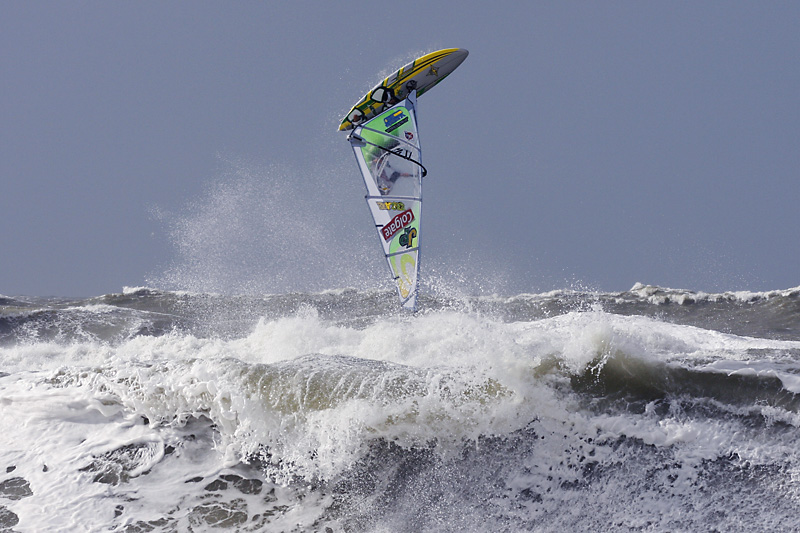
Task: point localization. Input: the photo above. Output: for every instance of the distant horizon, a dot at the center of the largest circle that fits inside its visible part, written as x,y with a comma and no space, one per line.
130,290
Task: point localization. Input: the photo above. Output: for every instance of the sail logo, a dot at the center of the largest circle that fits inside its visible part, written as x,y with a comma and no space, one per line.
395,120
396,224
391,206
407,237
405,273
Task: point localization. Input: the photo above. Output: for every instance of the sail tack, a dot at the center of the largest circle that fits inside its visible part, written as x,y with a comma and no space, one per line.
388,154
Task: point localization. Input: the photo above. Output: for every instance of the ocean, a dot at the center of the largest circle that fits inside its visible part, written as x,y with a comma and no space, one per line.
646,410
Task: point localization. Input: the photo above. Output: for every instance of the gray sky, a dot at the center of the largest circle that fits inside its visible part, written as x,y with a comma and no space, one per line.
590,144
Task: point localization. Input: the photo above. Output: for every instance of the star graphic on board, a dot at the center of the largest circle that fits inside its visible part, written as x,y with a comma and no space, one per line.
433,72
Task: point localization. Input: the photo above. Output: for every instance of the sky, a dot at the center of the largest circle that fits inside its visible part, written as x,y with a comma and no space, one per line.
194,145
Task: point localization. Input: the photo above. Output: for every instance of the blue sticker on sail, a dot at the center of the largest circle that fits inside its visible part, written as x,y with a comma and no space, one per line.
395,120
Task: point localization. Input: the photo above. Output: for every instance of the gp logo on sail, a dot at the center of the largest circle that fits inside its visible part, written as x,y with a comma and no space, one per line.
396,224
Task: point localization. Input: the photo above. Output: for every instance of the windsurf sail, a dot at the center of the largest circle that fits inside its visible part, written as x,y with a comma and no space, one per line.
388,153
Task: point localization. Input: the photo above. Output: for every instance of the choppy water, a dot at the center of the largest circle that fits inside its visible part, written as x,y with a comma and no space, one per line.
647,410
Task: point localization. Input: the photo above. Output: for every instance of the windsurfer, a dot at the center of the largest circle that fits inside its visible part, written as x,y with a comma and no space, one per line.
388,176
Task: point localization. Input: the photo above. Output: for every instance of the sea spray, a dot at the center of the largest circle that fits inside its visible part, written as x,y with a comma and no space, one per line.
306,411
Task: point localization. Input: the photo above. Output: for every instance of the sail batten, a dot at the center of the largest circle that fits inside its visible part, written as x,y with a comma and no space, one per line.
398,253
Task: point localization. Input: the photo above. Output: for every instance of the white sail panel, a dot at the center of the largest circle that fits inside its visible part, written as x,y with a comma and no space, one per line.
389,157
